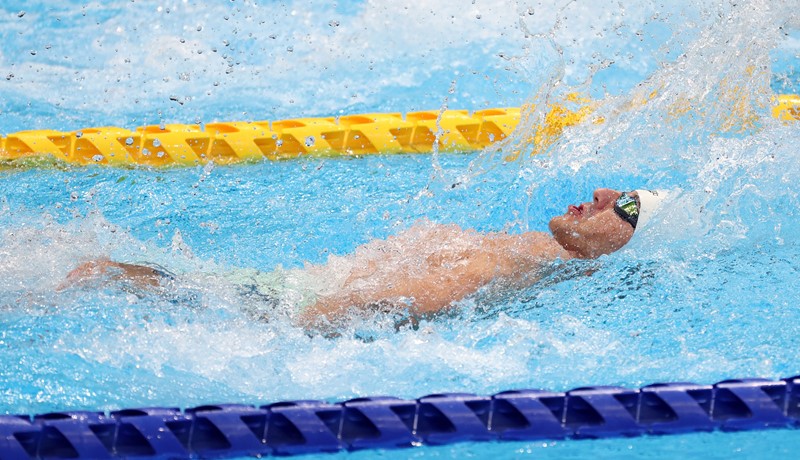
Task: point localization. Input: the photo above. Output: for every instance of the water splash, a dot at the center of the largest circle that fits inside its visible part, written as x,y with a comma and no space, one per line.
688,111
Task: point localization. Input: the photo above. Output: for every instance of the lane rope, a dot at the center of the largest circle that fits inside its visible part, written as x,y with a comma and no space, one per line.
236,142
350,135
302,427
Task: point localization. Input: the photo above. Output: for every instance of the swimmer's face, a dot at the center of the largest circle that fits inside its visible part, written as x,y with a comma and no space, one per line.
592,229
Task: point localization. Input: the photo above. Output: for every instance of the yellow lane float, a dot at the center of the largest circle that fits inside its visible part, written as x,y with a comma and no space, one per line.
350,135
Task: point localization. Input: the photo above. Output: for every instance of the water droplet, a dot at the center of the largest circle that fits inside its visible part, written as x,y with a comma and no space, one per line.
156,143
145,152
20,14
333,23
160,153
98,158
309,141
129,141
290,48
79,134
279,143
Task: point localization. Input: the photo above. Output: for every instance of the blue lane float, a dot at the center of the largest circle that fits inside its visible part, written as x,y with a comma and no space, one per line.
302,427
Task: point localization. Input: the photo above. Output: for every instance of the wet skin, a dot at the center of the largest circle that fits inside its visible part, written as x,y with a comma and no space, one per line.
592,229
428,267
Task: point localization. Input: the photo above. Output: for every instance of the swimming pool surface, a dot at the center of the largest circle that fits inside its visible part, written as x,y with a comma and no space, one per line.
707,292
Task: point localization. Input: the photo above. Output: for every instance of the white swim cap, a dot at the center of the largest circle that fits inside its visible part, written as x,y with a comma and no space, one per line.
649,202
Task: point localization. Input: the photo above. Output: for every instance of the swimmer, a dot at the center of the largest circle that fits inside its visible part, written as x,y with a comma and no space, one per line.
429,267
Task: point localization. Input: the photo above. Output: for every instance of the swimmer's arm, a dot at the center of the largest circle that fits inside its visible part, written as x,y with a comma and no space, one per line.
141,275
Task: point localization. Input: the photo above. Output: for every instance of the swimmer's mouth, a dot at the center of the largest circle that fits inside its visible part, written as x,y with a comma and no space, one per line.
575,210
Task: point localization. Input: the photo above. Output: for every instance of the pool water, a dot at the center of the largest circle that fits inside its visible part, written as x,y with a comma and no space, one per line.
707,292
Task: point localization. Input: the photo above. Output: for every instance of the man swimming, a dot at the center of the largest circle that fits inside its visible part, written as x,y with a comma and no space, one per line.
429,267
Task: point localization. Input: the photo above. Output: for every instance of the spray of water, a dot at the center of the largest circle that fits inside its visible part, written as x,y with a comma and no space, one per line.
691,113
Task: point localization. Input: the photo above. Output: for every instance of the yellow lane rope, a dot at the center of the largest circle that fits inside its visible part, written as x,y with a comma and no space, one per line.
350,135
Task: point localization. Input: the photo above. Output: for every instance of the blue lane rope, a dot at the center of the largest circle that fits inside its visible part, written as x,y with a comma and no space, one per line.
302,427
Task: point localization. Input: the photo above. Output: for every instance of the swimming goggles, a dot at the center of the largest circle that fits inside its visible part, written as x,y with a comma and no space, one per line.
627,208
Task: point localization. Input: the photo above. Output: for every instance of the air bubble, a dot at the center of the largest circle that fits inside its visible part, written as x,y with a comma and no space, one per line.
129,141
98,158
156,143
309,141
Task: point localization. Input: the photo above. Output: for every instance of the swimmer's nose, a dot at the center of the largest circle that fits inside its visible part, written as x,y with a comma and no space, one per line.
603,198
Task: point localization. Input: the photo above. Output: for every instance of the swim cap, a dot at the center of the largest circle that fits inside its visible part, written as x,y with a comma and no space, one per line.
649,202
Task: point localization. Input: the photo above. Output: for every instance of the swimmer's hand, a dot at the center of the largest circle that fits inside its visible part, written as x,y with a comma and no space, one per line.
102,271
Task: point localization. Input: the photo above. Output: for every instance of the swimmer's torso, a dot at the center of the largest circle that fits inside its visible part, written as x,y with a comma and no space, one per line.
430,266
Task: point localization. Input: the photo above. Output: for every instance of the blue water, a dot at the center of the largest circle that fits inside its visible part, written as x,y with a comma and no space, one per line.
706,293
